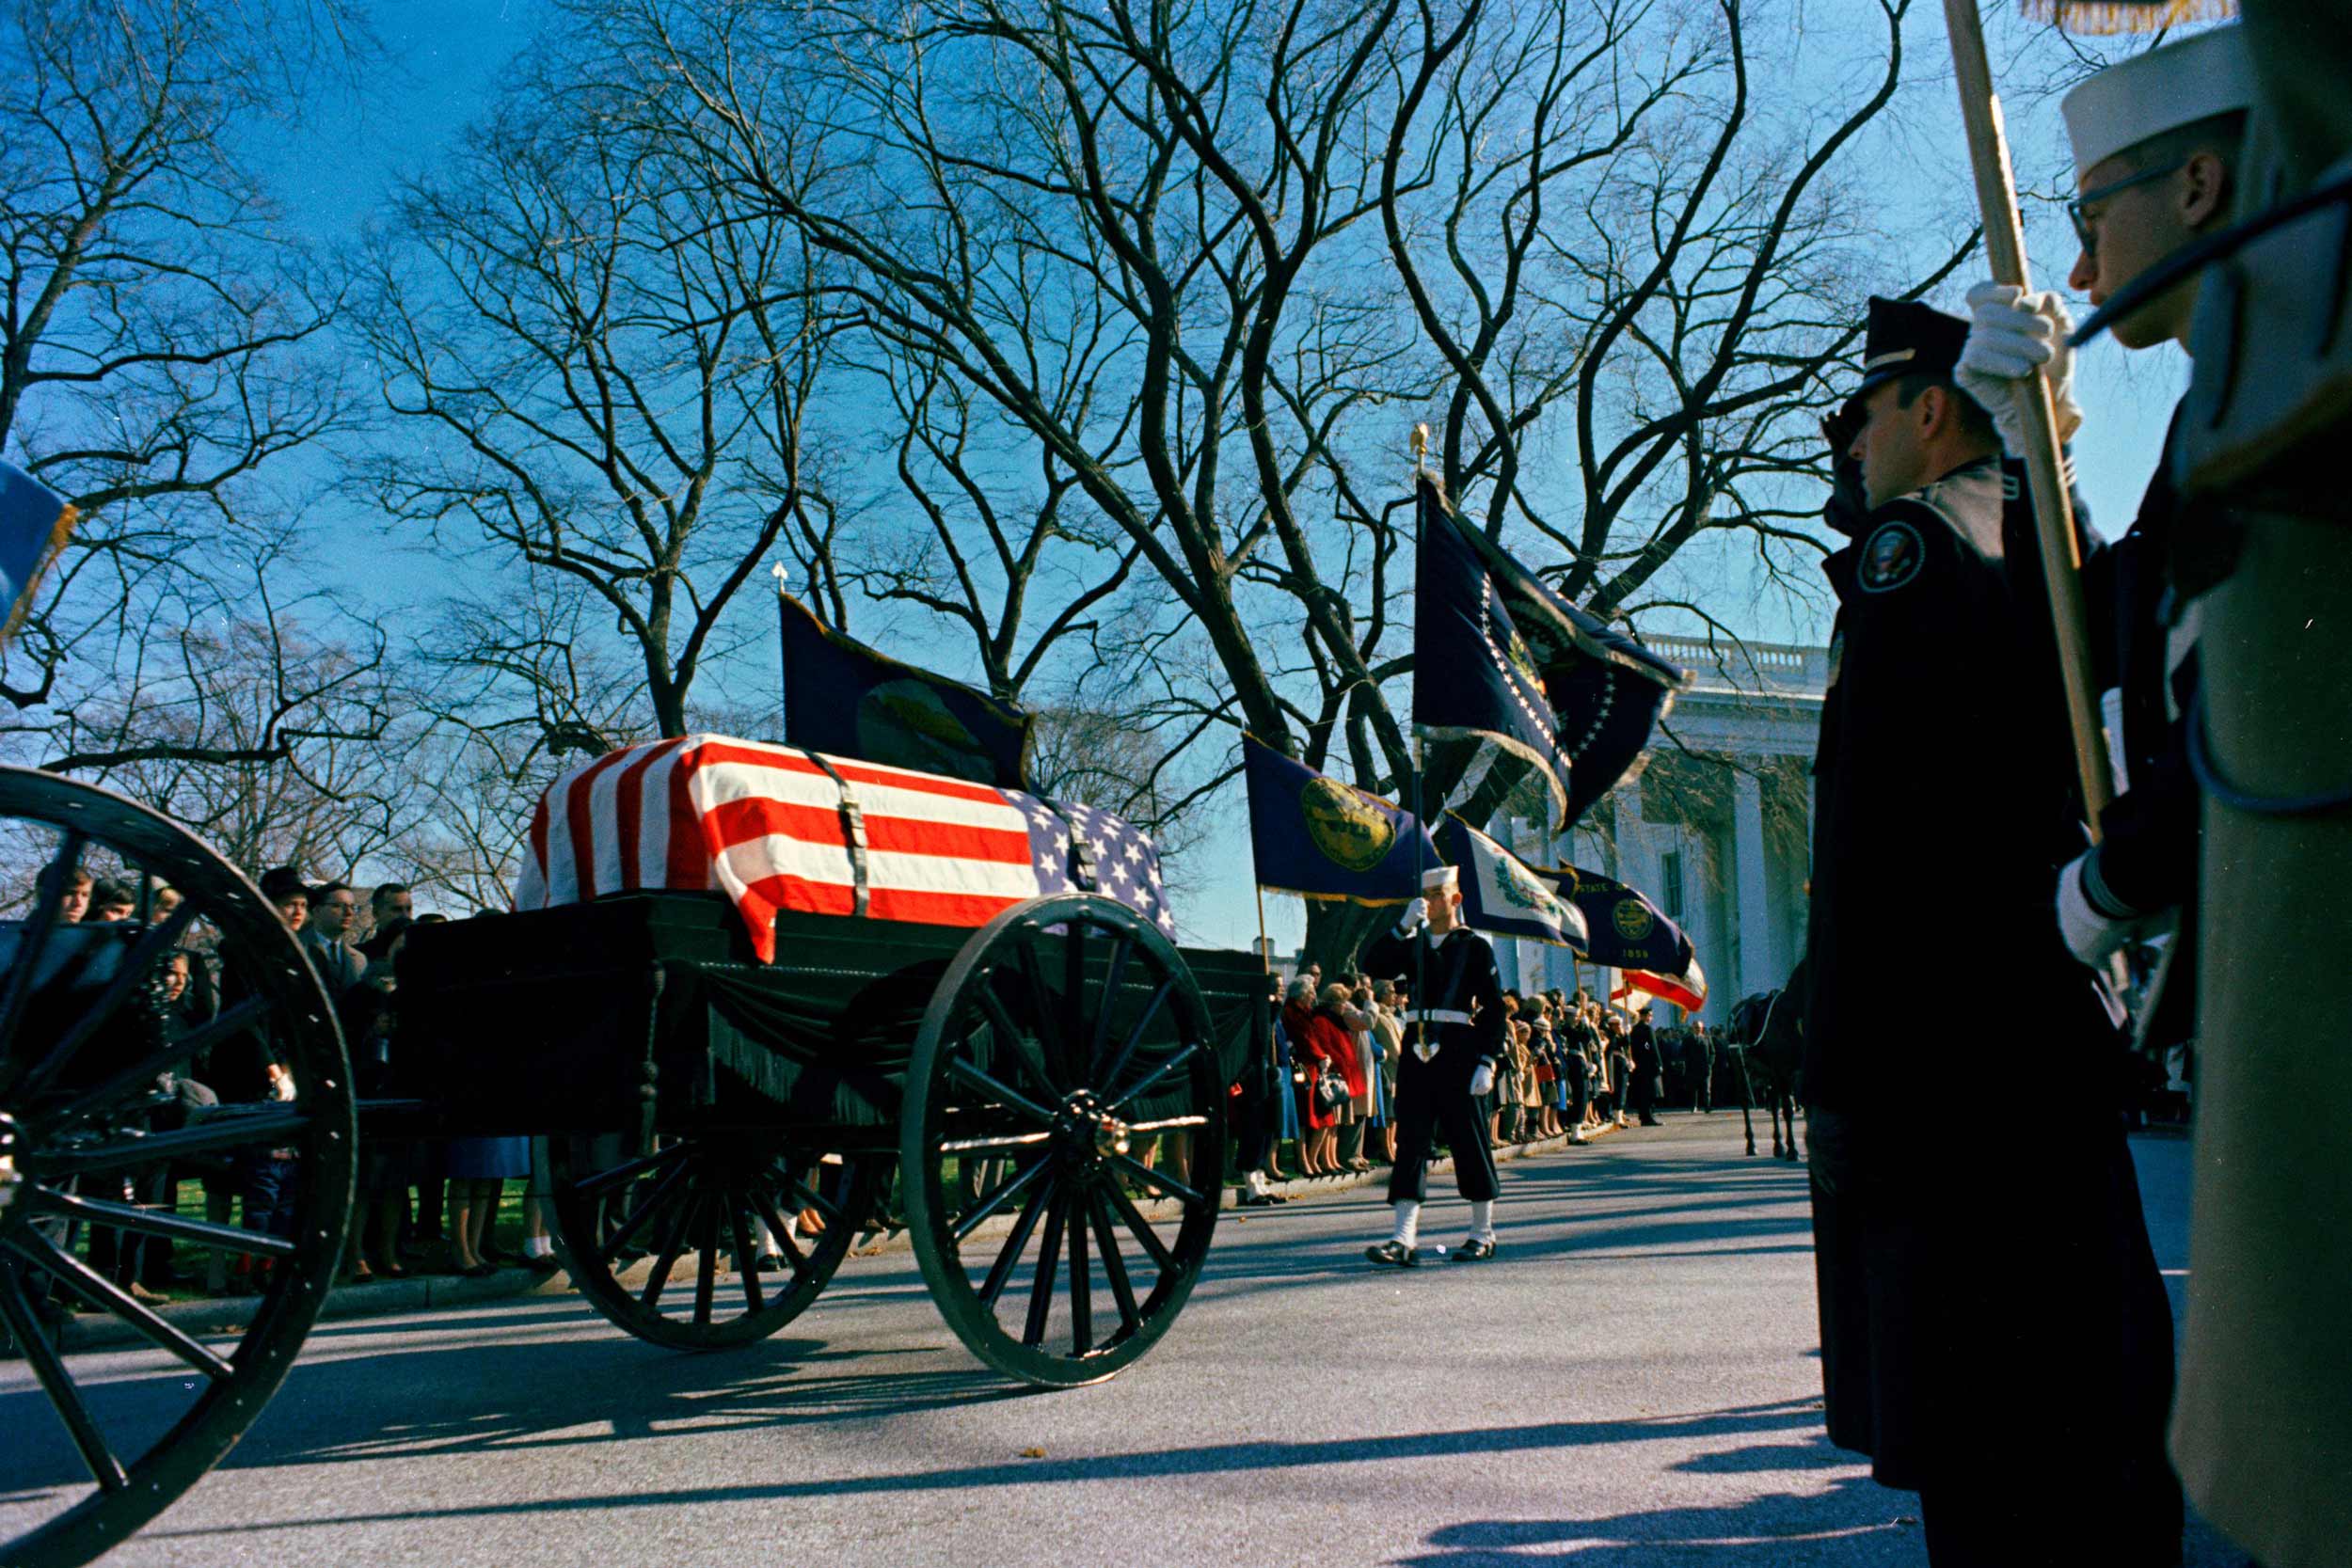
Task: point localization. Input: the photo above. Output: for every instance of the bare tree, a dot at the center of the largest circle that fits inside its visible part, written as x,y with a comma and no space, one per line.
158,331
598,376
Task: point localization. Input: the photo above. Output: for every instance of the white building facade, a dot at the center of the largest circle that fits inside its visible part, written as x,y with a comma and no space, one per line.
1717,828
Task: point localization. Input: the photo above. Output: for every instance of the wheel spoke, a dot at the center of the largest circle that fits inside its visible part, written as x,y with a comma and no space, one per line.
809,1197
1000,1195
973,1077
102,1293
227,1130
1115,973
1049,1029
156,1222
58,1384
1048,1266
689,1212
1135,1036
1168,1185
1113,1266
1140,1227
1168,1124
706,1265
32,941
1016,1044
746,1261
1074,992
1005,1145
96,1098
783,1237
645,1165
649,1204
1081,1289
1001,1271
1143,1085
137,966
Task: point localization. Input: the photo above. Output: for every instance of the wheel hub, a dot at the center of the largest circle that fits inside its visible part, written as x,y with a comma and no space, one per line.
1088,1132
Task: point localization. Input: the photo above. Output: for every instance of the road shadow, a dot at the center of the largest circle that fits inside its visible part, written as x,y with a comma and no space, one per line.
1850,1524
500,1396
1303,1458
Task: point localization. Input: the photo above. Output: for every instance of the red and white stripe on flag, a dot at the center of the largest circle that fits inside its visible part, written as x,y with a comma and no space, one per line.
762,824
1687,990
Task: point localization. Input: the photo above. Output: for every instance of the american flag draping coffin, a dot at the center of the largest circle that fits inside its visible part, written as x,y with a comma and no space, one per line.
776,828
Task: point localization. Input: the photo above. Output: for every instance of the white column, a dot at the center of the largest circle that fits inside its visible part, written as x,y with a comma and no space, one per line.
1758,964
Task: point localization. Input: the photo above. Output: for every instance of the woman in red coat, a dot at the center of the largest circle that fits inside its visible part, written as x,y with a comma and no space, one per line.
1327,1040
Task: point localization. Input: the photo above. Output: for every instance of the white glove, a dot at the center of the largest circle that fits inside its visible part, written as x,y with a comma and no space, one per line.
2095,926
2013,334
1482,1081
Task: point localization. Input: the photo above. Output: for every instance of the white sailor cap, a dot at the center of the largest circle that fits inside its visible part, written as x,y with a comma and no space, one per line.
1437,878
2163,89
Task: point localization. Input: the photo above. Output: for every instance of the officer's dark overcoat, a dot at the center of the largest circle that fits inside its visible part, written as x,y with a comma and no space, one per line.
1988,1297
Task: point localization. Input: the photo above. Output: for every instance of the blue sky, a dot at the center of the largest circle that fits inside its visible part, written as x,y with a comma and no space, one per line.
334,172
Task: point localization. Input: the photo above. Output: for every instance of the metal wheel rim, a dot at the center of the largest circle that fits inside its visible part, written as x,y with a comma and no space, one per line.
297,1011
934,1080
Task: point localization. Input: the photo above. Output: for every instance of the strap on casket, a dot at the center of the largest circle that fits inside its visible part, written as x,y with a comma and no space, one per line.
852,832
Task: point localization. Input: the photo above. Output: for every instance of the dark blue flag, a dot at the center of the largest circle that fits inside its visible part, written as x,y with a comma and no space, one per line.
1474,677
1320,838
842,698
34,521
1503,894
1502,643
1627,932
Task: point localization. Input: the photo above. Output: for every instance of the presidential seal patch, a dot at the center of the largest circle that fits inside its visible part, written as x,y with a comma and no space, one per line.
1891,557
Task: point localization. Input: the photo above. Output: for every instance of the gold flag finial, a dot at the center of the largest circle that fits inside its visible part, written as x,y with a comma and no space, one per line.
1421,446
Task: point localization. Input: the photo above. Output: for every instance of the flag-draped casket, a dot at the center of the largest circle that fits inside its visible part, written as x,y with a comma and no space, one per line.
775,827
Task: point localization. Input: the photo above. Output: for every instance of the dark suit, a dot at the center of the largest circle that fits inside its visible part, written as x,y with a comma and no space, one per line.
1993,1330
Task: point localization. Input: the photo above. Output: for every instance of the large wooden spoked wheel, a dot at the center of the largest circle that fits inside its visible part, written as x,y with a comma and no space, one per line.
666,1241
91,1139
1066,1040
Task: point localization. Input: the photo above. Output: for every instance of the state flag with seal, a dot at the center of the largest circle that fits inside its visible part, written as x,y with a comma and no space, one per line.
1532,685
1628,933
1504,896
34,522
843,699
1319,838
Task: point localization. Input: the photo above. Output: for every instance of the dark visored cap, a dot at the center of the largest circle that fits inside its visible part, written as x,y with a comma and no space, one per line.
1906,338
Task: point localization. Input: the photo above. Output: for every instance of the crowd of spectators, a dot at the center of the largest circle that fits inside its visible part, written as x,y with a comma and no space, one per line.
420,1206
1571,1065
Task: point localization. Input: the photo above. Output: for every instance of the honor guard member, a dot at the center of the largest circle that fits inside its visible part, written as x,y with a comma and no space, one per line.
2157,143
1994,1334
1454,1036
2166,159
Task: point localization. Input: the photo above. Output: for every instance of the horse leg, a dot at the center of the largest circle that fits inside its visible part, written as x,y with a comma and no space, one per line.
1747,1104
1788,1110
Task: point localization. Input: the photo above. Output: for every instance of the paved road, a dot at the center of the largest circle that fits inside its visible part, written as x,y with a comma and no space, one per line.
1634,1384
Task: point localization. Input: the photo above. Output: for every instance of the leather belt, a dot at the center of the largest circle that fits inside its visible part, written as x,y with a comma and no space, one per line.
1438,1015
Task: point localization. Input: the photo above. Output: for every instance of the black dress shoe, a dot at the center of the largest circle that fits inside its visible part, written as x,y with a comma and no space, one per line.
1393,1254
1474,1251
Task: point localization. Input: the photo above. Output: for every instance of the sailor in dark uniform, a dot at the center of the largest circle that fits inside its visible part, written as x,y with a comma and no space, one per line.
1453,1034
1994,1333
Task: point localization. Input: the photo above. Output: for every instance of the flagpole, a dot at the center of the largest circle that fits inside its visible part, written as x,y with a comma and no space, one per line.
1265,951
2046,478
1420,940
784,661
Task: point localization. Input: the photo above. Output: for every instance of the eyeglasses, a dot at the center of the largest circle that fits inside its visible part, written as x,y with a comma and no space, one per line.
2079,209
